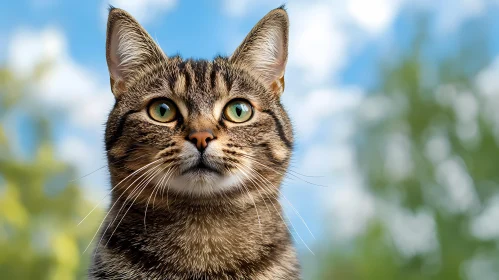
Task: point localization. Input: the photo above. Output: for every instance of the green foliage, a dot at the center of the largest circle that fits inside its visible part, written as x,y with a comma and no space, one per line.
426,100
39,205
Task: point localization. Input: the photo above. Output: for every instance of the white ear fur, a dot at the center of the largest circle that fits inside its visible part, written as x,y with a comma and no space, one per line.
129,49
264,51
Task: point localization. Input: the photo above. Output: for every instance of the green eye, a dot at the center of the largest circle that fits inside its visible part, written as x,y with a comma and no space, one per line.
162,110
238,111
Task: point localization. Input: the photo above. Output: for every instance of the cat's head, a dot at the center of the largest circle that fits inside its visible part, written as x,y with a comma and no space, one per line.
197,127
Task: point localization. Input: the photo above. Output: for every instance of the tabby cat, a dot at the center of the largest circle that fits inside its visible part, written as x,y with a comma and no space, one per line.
196,151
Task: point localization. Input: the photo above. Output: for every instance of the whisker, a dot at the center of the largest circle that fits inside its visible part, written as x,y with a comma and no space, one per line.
292,225
273,205
167,190
131,204
158,189
288,201
249,178
88,174
162,187
100,168
151,173
109,211
292,206
128,196
254,204
284,169
153,191
132,174
298,214
283,174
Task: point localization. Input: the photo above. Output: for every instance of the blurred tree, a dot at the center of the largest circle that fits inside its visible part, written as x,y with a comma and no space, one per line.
39,205
427,148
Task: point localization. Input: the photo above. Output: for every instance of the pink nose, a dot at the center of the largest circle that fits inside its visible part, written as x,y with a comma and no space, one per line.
201,139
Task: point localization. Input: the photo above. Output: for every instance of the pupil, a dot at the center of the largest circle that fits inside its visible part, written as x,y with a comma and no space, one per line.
239,110
162,109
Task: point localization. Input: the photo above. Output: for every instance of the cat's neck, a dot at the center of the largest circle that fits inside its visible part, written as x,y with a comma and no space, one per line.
254,212
190,230
236,236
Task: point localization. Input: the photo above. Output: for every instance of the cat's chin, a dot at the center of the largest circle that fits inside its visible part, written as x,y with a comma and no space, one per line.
203,182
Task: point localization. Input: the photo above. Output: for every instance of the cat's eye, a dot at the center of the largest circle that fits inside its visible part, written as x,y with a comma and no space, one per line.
238,111
162,110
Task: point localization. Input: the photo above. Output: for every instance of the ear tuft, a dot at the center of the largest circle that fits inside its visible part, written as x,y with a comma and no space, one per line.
264,51
129,50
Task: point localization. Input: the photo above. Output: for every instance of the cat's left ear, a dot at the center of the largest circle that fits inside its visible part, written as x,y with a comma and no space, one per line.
264,51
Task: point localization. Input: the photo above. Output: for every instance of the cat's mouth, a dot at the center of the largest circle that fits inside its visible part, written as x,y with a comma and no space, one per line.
201,167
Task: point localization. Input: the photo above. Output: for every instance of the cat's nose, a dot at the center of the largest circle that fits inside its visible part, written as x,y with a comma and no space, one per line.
201,139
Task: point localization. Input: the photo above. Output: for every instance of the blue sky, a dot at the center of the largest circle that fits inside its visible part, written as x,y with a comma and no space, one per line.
334,49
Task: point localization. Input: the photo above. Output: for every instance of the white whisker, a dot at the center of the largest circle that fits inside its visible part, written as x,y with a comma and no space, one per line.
292,225
109,211
254,204
153,191
142,185
280,173
133,173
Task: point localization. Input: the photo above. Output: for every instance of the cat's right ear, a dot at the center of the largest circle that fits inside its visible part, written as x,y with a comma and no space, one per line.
264,51
130,50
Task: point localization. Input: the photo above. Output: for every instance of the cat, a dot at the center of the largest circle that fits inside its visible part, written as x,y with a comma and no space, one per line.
196,151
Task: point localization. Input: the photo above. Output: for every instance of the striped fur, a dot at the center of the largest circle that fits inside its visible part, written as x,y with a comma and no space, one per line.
225,225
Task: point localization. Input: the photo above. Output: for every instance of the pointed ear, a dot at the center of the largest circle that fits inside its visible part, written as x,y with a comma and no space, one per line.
264,51
129,50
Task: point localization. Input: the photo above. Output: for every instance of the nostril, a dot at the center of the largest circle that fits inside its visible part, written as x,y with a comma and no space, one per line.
191,139
200,139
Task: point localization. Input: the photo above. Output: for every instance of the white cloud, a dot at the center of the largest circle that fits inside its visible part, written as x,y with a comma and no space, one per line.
27,49
450,17
374,16
321,104
66,87
319,43
72,149
342,158
318,160
143,10
318,35
238,8
352,208
321,32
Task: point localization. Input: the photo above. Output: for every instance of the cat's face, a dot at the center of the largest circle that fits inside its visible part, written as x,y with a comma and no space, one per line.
197,127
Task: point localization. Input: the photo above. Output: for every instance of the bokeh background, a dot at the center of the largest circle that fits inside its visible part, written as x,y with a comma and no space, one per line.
395,105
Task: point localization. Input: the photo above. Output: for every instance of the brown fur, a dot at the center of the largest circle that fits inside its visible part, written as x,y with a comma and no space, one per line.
162,226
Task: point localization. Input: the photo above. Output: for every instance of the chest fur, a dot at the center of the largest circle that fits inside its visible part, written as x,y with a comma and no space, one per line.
238,242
